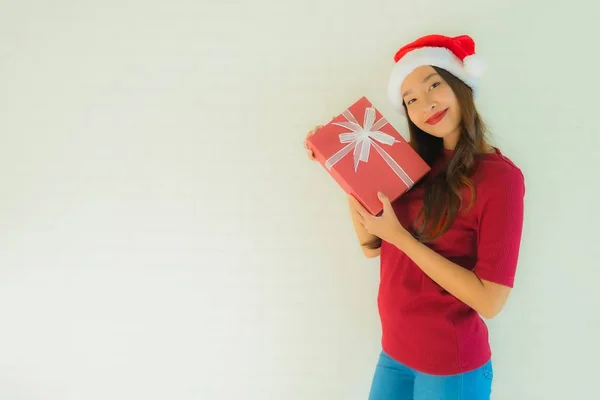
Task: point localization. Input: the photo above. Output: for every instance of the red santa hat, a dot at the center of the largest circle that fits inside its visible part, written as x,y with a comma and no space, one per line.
454,54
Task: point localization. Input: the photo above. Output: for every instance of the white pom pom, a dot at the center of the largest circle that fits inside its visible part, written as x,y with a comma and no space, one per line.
474,65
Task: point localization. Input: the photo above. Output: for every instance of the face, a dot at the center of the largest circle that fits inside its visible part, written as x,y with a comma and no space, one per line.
431,104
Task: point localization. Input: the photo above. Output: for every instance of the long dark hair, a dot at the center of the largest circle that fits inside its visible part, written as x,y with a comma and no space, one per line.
442,194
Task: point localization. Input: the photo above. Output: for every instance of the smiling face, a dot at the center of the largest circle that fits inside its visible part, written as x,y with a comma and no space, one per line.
432,105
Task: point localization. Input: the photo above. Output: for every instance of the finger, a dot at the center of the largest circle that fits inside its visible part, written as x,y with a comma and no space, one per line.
354,207
387,206
306,143
353,202
314,130
309,134
361,218
360,209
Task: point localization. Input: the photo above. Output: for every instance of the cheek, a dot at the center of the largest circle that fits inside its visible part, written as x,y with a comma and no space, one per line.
455,117
450,100
413,116
418,120
417,114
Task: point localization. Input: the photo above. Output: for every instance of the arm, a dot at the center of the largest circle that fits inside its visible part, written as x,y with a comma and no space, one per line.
487,286
487,298
361,232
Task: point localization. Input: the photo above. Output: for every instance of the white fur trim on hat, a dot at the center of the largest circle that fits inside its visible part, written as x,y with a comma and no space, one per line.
437,56
474,65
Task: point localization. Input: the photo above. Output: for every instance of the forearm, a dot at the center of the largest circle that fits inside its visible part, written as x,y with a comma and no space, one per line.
458,281
361,232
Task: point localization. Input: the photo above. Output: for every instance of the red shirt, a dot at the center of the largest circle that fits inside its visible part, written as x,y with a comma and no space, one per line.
424,326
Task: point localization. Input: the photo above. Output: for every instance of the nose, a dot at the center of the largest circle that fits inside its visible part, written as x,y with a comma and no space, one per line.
430,108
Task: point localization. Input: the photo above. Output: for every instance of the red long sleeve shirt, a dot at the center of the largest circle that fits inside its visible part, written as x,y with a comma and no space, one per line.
424,326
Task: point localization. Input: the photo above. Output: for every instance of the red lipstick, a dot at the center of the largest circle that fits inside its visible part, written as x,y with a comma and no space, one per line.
437,117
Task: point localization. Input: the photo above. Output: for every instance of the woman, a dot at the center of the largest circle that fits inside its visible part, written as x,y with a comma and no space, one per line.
448,248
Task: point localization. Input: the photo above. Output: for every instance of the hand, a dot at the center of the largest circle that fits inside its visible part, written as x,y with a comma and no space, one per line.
310,153
386,227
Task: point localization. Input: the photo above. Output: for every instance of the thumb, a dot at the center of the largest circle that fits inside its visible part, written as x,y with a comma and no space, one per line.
385,201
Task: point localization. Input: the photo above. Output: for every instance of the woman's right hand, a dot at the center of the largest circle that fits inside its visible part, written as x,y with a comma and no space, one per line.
309,152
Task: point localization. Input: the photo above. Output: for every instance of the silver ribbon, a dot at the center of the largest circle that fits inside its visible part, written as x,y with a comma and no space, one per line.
361,138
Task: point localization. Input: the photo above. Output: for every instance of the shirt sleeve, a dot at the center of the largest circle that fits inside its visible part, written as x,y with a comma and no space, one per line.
500,229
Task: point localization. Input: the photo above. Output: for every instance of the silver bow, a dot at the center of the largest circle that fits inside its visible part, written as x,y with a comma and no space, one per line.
361,138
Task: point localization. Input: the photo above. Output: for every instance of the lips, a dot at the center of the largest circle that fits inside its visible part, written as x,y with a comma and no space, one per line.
437,117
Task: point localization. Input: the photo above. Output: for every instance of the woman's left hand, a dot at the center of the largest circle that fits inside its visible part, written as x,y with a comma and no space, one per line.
386,227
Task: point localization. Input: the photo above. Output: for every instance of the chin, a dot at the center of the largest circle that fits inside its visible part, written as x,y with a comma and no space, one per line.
438,131
445,127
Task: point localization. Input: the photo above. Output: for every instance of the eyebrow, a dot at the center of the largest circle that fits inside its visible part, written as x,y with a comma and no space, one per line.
424,80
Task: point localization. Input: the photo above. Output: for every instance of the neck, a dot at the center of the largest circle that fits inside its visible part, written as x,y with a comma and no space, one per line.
451,140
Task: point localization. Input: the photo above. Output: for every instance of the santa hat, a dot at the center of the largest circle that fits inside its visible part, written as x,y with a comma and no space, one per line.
454,54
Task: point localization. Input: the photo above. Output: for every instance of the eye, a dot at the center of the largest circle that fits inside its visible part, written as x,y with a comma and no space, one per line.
410,102
436,84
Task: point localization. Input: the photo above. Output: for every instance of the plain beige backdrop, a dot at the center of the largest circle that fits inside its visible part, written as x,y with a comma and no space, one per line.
163,235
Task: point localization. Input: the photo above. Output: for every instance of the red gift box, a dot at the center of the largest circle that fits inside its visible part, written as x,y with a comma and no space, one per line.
363,152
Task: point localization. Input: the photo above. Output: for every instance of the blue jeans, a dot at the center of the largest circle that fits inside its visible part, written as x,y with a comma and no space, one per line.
395,381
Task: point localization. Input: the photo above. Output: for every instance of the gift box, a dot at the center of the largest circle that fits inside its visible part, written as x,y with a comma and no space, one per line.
363,152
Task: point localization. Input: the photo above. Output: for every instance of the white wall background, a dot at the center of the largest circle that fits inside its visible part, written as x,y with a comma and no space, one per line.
163,235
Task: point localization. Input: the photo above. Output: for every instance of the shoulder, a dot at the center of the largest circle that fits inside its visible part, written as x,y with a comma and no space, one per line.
496,173
497,168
